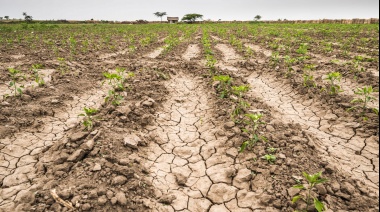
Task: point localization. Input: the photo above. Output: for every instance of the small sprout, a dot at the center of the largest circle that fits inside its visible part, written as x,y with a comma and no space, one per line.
334,77
88,114
254,121
365,97
312,180
16,76
224,86
270,158
272,149
37,77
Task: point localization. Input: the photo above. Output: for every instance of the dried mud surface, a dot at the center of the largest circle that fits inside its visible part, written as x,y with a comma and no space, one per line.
171,145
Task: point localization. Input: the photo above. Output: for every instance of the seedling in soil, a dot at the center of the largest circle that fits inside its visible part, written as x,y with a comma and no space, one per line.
365,97
239,91
312,180
224,88
248,52
62,65
88,114
270,158
275,58
211,61
334,77
254,122
37,77
272,150
117,82
302,49
357,68
289,63
16,76
308,78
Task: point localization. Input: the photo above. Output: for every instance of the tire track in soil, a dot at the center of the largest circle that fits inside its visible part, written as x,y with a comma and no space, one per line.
353,151
191,166
18,153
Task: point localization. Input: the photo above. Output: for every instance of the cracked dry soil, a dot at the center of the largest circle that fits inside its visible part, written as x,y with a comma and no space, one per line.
190,166
186,158
342,139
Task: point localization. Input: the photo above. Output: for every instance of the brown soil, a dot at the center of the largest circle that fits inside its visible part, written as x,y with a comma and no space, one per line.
172,145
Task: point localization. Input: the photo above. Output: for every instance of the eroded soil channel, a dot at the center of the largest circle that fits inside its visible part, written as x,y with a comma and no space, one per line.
190,166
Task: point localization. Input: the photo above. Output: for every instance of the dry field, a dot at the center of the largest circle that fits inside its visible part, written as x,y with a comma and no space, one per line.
218,117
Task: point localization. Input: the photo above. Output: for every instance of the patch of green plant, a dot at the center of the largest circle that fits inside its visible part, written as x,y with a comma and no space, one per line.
253,120
302,49
37,77
271,149
89,118
275,58
312,180
62,65
16,77
365,97
334,78
117,82
308,78
224,87
270,158
289,63
242,105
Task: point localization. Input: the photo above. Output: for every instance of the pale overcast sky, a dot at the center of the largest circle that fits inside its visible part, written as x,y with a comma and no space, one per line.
211,9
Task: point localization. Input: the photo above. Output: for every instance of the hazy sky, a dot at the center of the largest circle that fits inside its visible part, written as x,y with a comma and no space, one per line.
211,9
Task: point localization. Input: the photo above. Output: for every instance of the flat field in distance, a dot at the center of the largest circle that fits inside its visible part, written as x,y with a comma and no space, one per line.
189,117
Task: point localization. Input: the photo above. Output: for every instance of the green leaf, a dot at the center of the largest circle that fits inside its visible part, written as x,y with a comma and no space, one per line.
295,199
243,147
319,181
319,205
11,83
299,186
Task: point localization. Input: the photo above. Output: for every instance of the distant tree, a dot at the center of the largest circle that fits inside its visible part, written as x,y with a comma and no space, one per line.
257,17
27,17
6,17
1,18
192,17
160,14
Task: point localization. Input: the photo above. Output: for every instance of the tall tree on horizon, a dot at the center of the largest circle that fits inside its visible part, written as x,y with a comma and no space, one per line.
160,14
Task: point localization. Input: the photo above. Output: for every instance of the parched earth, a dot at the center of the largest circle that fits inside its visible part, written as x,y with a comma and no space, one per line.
172,145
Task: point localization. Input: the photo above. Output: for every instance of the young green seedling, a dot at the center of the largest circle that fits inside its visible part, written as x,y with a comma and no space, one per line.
312,180
270,158
88,114
365,97
334,77
15,77
117,82
239,91
224,86
37,77
308,78
254,122
62,65
302,49
289,63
